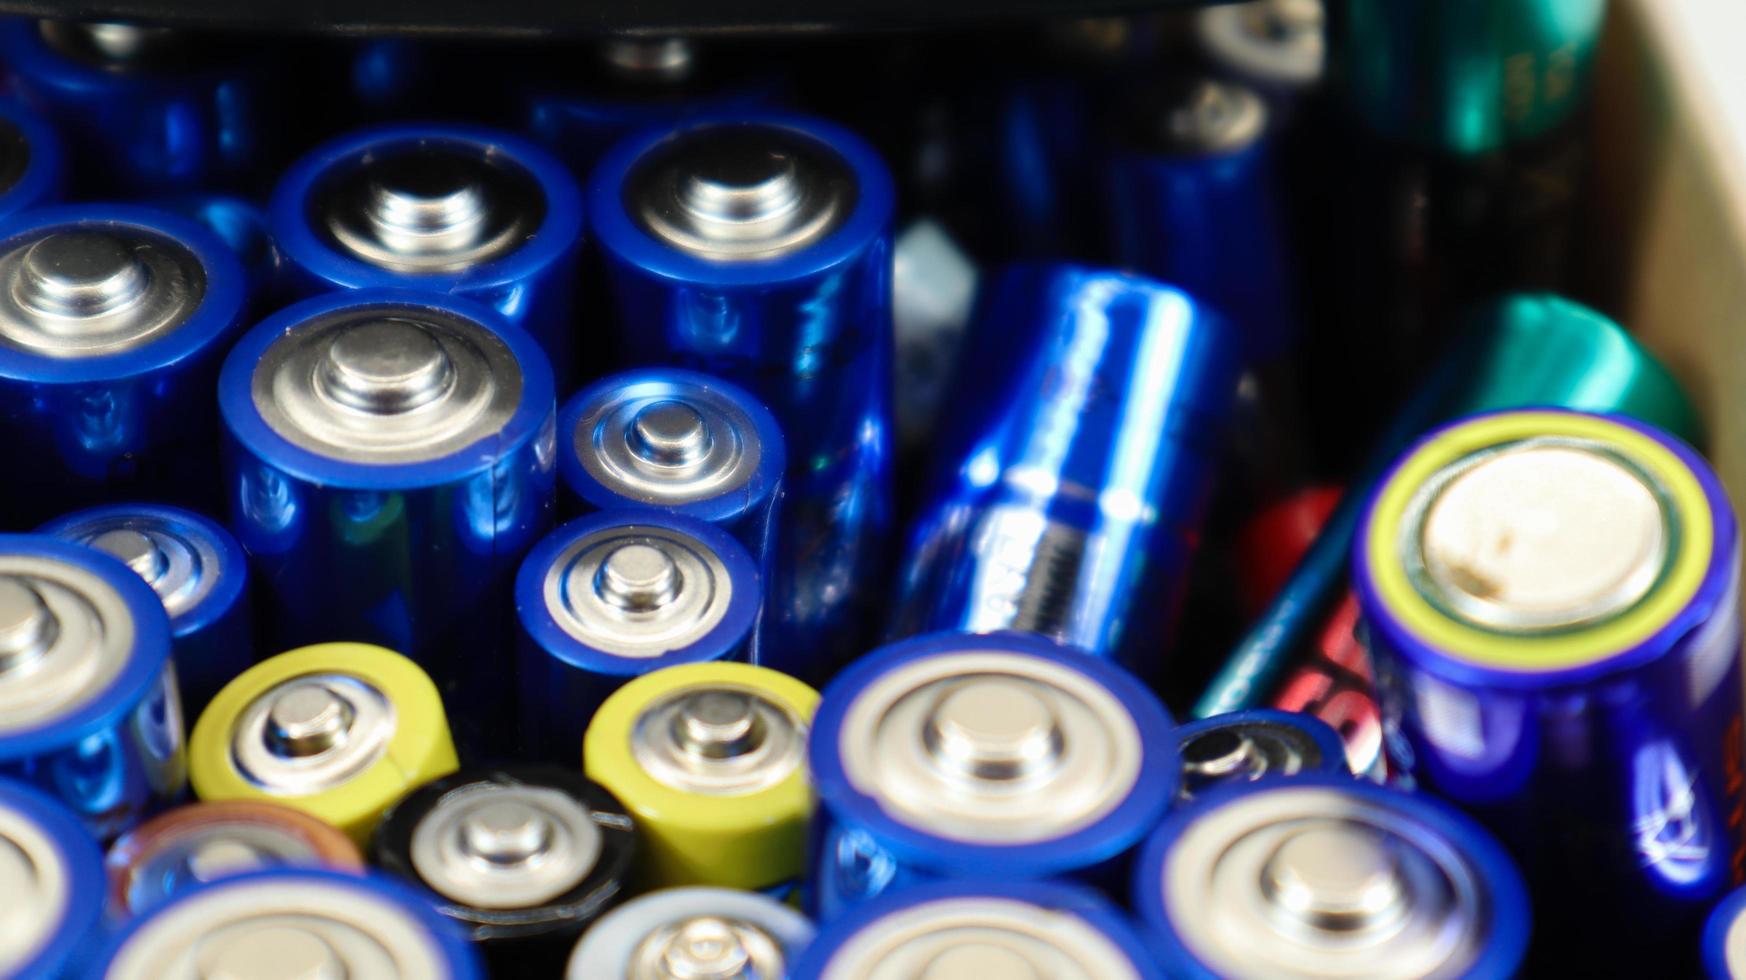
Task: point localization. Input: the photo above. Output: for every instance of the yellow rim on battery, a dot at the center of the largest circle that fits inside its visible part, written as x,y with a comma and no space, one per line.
1684,494
746,841
420,749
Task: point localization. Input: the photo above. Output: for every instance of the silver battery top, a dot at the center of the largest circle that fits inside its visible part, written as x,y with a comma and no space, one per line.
1310,881
649,60
707,947
430,207
311,733
499,846
65,634
667,444
115,45
1199,117
1244,750
205,853
1543,534
1271,42
732,192
281,928
1734,946
35,881
990,747
979,938
181,568
387,385
90,290
718,740
638,590
692,934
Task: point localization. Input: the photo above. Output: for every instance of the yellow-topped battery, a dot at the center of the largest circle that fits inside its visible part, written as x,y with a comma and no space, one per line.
710,759
339,730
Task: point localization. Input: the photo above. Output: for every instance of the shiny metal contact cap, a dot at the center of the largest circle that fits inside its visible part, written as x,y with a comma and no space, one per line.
387,384
1281,42
990,747
92,289
182,568
667,444
979,938
311,733
732,192
638,590
1542,534
649,60
692,934
429,206
497,845
65,635
284,925
1244,750
114,45
1198,116
37,883
718,740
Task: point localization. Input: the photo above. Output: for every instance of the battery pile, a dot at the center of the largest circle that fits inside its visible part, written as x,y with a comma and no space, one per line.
1120,498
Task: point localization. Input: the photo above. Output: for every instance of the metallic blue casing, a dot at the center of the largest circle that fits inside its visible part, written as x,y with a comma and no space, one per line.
860,851
117,757
1078,460
416,557
563,680
242,224
87,883
213,640
533,286
139,422
44,172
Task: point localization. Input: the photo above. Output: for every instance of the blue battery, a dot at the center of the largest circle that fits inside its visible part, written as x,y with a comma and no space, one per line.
443,208
1551,600
32,161
242,224
1007,928
199,572
1244,746
617,594
1327,876
1004,754
1191,201
113,322
86,684
388,460
145,110
55,883
1724,943
1075,463
758,248
288,918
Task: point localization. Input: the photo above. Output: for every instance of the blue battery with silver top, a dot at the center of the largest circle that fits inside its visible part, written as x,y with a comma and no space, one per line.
758,248
1326,876
388,460
677,933
618,594
199,571
32,161
146,110
1244,746
53,880
113,322
987,927
292,922
1001,754
88,703
1724,942
443,208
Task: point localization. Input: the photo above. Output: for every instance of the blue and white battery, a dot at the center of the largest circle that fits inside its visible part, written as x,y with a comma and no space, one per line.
1320,875
693,932
757,248
113,322
88,704
53,880
32,162
443,208
1724,942
199,571
1243,746
618,594
388,460
964,754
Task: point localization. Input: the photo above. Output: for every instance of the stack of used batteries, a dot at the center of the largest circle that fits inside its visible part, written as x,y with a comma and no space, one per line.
430,538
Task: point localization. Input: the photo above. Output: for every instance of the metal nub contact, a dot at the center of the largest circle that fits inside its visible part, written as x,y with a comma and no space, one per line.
707,947
1543,534
78,291
429,207
718,740
1280,42
990,747
311,733
1244,751
979,938
731,192
498,846
1198,117
1309,880
37,885
114,45
387,384
281,925
638,590
692,934
649,60
675,446
181,568
65,635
